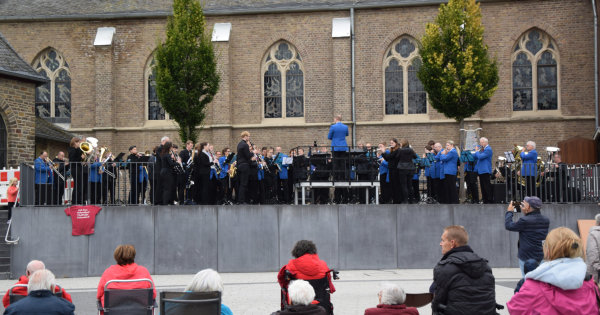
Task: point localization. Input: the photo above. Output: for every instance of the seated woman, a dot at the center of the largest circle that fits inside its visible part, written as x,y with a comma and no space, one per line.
301,296
125,269
208,280
308,266
391,301
560,285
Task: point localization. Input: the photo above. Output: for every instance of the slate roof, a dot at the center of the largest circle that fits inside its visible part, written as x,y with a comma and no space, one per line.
12,65
47,130
64,9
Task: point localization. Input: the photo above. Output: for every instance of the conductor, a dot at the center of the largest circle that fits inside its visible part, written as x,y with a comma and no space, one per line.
337,134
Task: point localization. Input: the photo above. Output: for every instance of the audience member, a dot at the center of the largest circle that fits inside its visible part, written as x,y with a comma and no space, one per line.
301,296
391,302
530,265
560,285
32,267
308,266
40,299
125,269
208,280
532,228
592,251
462,281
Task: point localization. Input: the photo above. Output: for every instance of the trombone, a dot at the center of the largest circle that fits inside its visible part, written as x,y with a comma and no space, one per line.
54,168
102,168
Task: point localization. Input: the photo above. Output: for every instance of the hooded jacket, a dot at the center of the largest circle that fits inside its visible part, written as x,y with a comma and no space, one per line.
127,272
306,267
463,283
592,252
556,287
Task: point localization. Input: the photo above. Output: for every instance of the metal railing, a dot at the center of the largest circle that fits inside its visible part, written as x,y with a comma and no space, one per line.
553,183
114,183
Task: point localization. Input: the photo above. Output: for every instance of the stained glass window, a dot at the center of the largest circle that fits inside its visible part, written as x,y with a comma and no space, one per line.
155,109
404,92
283,82
535,73
53,98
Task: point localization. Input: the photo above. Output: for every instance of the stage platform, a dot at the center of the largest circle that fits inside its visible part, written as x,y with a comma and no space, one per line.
185,239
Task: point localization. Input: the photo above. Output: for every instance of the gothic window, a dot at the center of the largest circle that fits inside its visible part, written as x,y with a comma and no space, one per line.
404,92
3,143
535,73
53,98
283,82
155,109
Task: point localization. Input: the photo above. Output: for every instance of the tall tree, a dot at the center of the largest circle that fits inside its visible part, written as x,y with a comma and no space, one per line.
186,69
457,73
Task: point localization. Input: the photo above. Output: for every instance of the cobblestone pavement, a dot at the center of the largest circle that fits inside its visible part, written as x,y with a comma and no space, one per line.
258,293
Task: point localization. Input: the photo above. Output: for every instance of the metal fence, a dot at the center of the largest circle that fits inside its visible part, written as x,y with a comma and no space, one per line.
553,183
114,183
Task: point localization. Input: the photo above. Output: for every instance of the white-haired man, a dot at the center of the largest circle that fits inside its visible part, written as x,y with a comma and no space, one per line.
483,168
32,267
592,252
40,299
529,167
301,295
391,301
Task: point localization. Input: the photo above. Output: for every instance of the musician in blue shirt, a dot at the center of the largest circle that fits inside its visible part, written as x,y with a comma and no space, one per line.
449,158
529,167
437,176
484,169
337,134
384,174
43,179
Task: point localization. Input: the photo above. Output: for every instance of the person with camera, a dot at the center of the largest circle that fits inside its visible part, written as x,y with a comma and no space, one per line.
532,228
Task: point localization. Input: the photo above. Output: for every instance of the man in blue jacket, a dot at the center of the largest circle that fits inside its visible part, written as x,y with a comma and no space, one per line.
529,167
449,159
483,156
43,179
40,299
337,134
532,228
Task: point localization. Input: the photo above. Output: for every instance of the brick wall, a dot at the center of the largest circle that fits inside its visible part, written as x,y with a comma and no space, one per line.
16,109
108,85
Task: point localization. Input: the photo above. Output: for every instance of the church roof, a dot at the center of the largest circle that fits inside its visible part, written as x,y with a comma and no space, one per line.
98,9
48,130
12,65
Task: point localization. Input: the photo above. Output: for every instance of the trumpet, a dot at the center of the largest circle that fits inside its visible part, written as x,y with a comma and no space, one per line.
178,167
54,168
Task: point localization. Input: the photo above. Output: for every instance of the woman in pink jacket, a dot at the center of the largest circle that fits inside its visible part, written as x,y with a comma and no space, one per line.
560,285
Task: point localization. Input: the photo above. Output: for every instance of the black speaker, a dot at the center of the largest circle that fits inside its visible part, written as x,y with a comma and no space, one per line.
499,193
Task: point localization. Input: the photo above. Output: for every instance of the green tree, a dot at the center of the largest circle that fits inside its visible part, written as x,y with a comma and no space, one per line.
456,72
186,69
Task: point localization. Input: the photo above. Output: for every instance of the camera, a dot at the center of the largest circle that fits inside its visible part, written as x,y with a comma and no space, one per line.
516,205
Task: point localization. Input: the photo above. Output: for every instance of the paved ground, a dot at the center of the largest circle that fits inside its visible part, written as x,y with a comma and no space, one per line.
258,293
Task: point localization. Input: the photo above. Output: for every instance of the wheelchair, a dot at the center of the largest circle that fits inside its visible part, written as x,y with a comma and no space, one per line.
321,287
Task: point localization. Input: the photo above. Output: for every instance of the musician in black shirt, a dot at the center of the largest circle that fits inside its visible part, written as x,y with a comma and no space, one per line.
244,158
78,171
135,186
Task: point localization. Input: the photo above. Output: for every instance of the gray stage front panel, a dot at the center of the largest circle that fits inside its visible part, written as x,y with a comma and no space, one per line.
316,223
45,234
248,238
186,239
419,230
487,236
367,237
122,225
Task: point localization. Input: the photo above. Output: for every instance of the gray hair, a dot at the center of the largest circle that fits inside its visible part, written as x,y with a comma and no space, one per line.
41,280
165,138
532,143
206,280
392,294
301,292
34,266
484,139
597,219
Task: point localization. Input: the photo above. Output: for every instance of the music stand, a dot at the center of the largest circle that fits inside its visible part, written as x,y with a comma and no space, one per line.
510,158
119,157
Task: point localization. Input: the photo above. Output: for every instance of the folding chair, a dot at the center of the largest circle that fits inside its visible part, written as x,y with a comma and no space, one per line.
12,297
190,303
418,299
128,301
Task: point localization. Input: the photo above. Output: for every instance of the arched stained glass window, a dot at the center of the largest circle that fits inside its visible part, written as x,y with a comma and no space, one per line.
283,82
404,92
155,109
53,98
535,73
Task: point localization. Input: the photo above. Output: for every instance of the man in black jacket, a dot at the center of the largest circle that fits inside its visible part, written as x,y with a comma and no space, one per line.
532,228
244,158
462,281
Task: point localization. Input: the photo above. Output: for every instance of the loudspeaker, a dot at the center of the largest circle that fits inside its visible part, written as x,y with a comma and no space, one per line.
499,193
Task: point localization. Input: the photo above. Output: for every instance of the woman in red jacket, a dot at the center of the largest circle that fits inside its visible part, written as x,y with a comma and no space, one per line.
308,266
125,269
12,192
